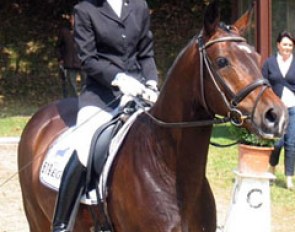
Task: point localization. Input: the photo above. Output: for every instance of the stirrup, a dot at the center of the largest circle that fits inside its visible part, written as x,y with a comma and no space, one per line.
60,228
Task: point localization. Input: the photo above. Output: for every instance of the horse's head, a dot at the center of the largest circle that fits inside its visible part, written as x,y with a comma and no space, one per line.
232,72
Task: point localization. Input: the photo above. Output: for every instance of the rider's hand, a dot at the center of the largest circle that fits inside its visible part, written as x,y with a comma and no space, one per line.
151,92
128,85
150,95
152,84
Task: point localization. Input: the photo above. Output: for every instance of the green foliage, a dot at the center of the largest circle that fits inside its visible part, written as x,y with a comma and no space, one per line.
246,137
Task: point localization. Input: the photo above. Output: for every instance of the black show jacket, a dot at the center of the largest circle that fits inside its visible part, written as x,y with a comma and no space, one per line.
109,44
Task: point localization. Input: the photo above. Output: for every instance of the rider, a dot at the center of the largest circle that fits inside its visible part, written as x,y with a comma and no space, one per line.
116,50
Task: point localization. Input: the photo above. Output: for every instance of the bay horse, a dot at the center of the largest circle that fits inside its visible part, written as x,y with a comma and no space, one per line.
158,181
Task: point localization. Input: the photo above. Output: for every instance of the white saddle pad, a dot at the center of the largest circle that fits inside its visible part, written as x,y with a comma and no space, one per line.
56,159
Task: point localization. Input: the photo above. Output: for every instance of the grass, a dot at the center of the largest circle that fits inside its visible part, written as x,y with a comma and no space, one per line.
14,116
12,126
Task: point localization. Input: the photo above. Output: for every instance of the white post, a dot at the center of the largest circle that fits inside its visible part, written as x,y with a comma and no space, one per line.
250,208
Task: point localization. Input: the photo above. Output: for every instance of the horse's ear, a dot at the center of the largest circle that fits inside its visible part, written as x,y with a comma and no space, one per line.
211,18
244,21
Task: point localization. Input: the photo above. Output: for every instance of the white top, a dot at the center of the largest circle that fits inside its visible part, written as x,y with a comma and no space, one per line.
116,6
288,96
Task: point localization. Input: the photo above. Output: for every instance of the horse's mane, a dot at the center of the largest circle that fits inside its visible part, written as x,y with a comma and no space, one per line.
180,55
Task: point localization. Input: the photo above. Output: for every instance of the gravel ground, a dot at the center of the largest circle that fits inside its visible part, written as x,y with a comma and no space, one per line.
12,217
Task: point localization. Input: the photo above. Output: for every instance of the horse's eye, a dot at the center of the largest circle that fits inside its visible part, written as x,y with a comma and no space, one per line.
222,62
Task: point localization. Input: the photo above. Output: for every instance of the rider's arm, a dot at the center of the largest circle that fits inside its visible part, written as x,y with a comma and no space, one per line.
145,50
100,69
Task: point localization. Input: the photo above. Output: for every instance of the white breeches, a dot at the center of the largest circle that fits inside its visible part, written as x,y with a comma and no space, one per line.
88,120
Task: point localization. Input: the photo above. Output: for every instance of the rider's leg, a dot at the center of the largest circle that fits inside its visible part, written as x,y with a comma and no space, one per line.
89,119
70,189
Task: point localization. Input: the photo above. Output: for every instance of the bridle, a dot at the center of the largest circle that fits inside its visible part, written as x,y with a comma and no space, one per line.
234,115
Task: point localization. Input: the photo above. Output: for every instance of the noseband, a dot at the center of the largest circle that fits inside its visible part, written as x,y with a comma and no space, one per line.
236,117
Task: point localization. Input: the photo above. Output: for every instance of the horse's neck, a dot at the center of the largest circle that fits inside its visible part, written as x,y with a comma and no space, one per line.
179,101
180,98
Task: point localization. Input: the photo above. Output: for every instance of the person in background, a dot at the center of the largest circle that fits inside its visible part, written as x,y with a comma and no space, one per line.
69,62
279,69
116,50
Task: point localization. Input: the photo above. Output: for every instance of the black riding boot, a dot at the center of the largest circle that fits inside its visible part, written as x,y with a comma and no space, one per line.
70,190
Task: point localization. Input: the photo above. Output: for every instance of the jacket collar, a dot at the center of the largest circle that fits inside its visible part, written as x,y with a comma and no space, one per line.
105,9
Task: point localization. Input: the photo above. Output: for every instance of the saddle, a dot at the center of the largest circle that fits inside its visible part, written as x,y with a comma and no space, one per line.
99,151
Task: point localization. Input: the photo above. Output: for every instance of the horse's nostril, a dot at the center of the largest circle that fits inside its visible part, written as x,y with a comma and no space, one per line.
271,116
274,121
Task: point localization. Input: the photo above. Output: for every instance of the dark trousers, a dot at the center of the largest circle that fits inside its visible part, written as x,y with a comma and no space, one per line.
288,142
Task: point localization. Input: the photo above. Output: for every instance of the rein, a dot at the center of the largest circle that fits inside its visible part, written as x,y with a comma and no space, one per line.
187,124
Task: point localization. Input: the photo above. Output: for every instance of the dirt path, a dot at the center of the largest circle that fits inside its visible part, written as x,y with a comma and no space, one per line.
12,217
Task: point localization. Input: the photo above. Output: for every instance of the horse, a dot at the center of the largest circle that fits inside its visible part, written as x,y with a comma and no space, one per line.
158,180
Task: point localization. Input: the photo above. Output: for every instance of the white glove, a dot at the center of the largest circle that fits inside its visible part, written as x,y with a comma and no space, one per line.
152,84
150,95
128,85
